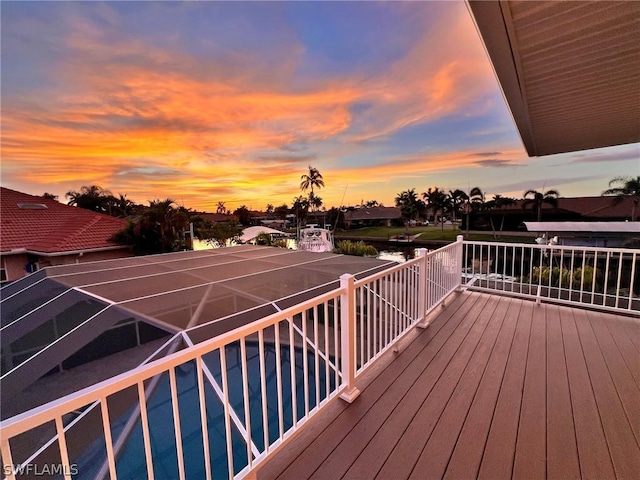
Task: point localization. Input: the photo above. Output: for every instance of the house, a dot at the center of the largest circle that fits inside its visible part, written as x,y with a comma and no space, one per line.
37,232
372,216
217,217
569,209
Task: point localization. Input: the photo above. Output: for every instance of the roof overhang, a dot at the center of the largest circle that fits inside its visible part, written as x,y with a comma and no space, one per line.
22,251
569,71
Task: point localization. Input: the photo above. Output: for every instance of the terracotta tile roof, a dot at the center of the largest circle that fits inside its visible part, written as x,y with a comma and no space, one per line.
42,225
372,213
217,217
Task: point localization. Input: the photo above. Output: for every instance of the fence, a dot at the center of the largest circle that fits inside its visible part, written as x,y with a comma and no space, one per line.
602,278
218,408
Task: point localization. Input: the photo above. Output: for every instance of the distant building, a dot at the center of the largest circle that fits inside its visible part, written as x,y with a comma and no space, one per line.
217,217
36,232
372,217
569,209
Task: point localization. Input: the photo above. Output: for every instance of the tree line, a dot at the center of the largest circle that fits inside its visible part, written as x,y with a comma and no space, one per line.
457,202
160,226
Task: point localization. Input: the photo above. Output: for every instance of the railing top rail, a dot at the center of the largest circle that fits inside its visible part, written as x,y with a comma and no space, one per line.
555,247
49,411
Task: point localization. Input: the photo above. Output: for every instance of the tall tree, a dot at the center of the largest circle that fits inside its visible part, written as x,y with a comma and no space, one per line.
269,208
311,179
243,214
498,203
457,198
300,209
439,202
538,199
159,229
92,197
281,211
49,196
410,206
221,209
621,187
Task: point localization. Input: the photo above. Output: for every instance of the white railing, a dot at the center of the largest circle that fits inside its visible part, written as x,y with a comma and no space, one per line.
602,278
222,406
389,304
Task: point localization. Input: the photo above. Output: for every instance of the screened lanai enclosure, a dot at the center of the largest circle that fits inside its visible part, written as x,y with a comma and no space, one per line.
76,318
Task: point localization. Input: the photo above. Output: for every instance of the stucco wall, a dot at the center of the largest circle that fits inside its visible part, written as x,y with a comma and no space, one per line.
15,264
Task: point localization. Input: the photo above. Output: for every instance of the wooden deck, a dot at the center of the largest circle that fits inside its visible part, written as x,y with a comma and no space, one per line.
495,388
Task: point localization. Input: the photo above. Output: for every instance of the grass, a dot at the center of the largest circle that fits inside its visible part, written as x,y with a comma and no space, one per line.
430,233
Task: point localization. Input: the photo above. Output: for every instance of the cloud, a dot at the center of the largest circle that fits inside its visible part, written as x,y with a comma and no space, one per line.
497,162
631,152
484,154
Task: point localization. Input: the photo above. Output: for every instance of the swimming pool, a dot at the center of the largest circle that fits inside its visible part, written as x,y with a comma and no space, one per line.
131,460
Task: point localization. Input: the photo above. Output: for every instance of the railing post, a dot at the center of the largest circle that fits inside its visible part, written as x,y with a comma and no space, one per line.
422,287
348,337
460,258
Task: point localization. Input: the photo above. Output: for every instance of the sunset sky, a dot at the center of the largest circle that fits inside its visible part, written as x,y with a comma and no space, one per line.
205,102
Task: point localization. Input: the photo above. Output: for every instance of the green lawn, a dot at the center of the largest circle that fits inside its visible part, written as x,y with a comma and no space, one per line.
428,233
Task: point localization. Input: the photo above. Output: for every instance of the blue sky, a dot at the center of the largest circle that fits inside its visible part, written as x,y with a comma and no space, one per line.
231,101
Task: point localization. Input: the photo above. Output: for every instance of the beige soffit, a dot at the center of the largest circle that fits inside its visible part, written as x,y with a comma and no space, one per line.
570,71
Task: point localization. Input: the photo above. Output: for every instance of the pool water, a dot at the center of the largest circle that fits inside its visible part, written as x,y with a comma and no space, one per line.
131,463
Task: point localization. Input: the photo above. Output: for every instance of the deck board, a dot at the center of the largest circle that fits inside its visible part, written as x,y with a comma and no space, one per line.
467,454
562,450
622,444
496,387
625,385
531,445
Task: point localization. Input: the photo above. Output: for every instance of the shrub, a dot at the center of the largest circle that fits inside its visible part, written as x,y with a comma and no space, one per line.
360,249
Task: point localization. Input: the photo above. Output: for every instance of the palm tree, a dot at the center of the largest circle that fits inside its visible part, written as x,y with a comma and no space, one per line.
410,205
457,198
477,199
220,208
498,203
439,202
538,199
49,196
311,179
625,187
91,197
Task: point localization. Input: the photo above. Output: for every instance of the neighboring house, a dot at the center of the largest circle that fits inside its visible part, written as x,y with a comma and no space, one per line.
36,232
575,209
372,216
217,217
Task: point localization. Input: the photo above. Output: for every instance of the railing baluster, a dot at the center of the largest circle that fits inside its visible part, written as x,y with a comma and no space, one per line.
144,420
263,389
276,327
593,280
176,422
606,279
108,440
619,279
227,416
245,398
64,453
633,274
294,383
316,365
7,459
203,420
336,342
327,372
